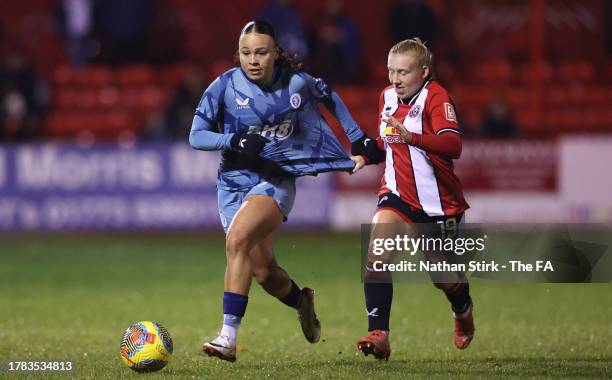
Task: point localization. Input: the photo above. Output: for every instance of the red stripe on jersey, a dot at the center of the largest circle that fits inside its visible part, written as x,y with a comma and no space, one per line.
404,173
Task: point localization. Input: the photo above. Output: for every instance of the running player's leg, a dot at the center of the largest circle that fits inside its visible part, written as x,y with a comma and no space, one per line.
275,280
456,287
257,217
378,287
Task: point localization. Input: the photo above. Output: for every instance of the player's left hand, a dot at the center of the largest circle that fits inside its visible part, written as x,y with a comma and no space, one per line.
359,163
401,129
365,146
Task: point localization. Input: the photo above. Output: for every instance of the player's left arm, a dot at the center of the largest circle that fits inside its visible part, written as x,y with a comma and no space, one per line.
334,104
447,144
446,138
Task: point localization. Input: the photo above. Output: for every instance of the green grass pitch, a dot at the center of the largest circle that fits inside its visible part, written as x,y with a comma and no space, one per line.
71,297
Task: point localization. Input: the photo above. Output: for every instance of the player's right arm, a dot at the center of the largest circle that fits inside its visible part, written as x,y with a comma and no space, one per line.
445,141
204,133
207,122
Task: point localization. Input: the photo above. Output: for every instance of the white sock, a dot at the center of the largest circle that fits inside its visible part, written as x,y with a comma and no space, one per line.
230,332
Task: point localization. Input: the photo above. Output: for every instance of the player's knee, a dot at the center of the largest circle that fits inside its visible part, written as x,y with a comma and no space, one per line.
262,275
444,286
237,243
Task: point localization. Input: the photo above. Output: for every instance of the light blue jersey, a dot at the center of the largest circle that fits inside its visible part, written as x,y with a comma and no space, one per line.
286,113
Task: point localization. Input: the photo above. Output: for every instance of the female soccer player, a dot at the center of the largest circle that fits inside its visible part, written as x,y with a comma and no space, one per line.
420,137
263,115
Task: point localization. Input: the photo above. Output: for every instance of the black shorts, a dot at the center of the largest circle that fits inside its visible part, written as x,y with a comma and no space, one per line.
445,225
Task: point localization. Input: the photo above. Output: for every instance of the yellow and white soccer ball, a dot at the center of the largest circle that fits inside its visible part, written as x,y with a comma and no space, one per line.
146,346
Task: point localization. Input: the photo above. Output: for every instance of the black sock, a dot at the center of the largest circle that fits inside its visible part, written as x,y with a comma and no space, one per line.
378,304
459,297
294,298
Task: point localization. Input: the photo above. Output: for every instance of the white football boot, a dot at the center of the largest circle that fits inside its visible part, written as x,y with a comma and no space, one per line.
221,348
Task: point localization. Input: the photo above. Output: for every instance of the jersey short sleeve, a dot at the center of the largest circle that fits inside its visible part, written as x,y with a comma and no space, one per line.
442,112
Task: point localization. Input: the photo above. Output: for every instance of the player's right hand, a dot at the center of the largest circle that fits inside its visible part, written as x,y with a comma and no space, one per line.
248,143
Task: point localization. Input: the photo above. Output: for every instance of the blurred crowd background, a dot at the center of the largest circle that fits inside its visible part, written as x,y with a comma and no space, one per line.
531,81
108,69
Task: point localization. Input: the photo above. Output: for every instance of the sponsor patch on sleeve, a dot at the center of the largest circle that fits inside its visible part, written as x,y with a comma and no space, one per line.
449,111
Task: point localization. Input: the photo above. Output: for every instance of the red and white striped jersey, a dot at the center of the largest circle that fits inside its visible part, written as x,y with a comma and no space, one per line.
422,179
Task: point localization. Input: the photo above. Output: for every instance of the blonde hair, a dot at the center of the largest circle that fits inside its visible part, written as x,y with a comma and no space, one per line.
418,48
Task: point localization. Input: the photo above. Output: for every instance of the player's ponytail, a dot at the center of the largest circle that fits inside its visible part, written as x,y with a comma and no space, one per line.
289,62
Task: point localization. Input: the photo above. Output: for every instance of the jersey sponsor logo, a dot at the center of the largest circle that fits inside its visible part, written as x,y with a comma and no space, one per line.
242,103
278,131
449,112
391,131
391,135
414,112
295,100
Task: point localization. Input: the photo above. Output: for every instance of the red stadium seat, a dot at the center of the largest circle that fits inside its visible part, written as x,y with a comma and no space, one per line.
65,124
99,75
119,121
81,77
220,66
518,97
65,97
557,95
137,75
494,70
601,119
87,98
151,98
528,72
171,76
129,97
527,120
63,75
108,96
576,71
596,94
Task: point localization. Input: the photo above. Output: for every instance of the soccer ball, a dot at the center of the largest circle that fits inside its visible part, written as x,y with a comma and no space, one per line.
146,346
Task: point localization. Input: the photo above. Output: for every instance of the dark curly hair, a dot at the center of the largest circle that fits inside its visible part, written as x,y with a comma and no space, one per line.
289,62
